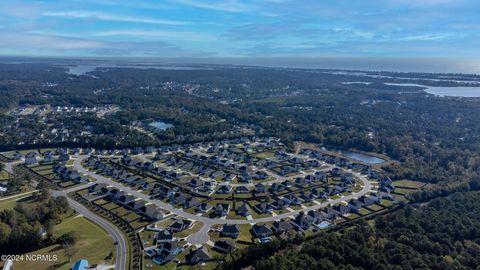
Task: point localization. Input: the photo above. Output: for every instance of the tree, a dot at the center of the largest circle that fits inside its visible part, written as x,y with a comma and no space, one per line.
68,239
5,231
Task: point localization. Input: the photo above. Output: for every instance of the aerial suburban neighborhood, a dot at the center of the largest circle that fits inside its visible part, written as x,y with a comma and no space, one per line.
187,204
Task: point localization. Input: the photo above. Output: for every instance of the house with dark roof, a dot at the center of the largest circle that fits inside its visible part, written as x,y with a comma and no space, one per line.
31,158
164,236
191,202
195,182
171,248
341,208
276,187
224,189
203,207
306,196
180,225
242,210
263,208
222,209
281,227
331,212
97,188
197,256
230,230
317,216
302,221
261,231
281,204
260,188
355,205
125,199
293,200
366,200
319,194
224,246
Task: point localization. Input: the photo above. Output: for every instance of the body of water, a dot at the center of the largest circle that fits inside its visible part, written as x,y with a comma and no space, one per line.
160,125
363,157
460,91
444,91
80,69
83,69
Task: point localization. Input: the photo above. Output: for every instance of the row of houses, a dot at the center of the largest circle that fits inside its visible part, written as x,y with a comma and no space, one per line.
67,174
129,201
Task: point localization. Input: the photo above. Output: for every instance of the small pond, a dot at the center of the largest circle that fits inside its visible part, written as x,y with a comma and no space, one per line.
160,125
363,157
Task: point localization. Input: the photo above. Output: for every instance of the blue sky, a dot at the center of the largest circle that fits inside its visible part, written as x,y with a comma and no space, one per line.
234,28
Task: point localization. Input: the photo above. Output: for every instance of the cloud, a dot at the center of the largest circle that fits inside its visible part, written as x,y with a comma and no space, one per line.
427,37
38,41
112,17
176,35
425,3
227,5
64,45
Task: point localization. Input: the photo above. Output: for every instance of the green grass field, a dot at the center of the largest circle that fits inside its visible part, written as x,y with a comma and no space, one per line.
10,203
93,244
3,175
403,190
408,184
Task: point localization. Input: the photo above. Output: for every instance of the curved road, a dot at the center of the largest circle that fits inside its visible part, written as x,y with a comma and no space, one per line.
201,236
121,246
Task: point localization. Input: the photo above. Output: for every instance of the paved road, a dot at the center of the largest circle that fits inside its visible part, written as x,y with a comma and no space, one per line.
18,195
201,236
121,246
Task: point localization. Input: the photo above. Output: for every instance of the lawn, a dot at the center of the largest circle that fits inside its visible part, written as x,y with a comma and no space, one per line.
150,265
137,224
399,198
233,215
256,215
296,207
386,203
403,190
110,206
121,211
10,203
147,237
364,211
357,188
281,211
245,234
197,225
93,244
263,155
375,207
408,184
3,175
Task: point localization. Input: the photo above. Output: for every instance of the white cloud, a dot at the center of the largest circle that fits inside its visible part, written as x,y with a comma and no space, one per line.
176,35
427,37
227,5
23,40
111,17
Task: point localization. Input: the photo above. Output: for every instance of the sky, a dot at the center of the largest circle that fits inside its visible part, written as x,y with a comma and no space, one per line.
234,28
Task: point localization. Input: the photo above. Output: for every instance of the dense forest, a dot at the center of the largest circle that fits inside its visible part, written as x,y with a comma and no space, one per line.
29,226
442,234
